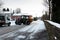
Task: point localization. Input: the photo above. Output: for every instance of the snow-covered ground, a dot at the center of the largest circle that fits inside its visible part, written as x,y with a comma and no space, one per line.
12,22
34,27
53,23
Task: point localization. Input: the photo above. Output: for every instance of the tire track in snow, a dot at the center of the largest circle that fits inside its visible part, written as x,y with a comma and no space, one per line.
36,29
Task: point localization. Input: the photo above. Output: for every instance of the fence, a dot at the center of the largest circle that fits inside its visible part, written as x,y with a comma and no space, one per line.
53,31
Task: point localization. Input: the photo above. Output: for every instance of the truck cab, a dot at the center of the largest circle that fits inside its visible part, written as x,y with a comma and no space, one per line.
4,20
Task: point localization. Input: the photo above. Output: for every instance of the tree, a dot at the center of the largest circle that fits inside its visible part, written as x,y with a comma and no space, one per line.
46,3
56,11
1,3
45,16
18,10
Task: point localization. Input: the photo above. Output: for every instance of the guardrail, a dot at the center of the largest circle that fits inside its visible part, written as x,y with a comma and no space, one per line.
53,31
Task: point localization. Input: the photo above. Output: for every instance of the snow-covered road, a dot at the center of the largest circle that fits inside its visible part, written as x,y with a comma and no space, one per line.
35,26
28,31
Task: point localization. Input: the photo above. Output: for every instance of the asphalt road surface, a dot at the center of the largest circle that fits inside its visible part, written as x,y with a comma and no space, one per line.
4,30
35,31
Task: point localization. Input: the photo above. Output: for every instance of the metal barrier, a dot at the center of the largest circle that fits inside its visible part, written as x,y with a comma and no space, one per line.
53,31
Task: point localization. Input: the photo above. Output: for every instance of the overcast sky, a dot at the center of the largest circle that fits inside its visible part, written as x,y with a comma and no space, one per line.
33,7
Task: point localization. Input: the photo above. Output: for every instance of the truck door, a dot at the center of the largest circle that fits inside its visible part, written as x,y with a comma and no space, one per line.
7,19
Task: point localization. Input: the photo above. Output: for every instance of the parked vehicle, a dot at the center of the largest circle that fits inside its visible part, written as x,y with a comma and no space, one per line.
25,19
35,18
4,20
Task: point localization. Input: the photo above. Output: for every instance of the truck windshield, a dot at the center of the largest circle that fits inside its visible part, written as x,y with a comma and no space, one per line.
2,18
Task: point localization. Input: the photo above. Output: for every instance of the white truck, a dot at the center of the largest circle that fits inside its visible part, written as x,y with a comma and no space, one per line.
4,20
5,17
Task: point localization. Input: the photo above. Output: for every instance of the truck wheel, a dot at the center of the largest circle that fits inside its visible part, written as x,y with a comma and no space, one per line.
16,22
24,23
8,24
0,25
28,23
19,23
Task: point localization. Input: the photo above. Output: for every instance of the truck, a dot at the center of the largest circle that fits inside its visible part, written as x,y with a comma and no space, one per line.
25,19
4,20
5,17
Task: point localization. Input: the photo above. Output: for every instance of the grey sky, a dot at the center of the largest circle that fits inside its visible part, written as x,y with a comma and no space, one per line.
33,7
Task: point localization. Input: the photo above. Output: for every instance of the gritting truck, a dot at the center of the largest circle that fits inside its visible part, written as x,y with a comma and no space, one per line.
25,19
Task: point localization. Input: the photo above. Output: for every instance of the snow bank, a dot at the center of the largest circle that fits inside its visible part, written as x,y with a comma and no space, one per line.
53,23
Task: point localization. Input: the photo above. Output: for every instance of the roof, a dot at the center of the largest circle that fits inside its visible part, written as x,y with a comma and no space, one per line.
20,14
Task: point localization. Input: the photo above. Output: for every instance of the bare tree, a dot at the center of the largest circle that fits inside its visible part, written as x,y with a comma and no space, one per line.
46,3
18,10
1,3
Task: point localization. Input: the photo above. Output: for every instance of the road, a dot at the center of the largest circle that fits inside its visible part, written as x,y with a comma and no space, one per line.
35,31
12,27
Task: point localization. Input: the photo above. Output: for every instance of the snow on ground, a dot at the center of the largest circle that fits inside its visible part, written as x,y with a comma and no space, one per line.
27,28
12,23
39,26
20,37
35,26
53,23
